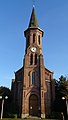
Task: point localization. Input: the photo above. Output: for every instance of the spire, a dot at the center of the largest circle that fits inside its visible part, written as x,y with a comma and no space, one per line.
33,20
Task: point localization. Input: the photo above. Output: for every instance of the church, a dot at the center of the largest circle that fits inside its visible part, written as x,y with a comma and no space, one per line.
33,86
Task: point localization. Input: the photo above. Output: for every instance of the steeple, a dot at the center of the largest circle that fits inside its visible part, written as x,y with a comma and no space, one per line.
33,20
33,23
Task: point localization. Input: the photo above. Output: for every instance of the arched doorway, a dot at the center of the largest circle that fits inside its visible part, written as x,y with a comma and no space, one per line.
33,105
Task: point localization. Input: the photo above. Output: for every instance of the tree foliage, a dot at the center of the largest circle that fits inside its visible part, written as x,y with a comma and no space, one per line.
4,91
9,107
61,90
61,87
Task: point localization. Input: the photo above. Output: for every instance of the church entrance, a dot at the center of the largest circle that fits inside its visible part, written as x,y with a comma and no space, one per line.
33,105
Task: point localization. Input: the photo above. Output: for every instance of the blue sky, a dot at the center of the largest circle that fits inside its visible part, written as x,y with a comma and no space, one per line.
52,17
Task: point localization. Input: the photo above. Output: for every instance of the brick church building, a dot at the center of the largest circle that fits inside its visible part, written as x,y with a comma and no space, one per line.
33,87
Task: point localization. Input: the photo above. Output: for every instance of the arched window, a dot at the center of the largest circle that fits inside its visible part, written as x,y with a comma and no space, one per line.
31,59
35,59
29,81
39,39
34,38
28,40
33,78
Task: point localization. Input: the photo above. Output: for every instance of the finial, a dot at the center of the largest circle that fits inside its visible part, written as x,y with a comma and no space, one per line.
33,6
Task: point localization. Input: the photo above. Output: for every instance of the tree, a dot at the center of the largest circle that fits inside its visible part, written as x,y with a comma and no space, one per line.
61,90
62,87
4,91
10,109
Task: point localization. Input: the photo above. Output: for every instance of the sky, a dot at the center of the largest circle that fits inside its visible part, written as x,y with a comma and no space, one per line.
52,16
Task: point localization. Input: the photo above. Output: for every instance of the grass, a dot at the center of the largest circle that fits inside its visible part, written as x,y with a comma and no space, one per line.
26,119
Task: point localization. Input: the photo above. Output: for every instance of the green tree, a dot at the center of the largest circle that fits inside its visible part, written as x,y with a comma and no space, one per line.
62,87
4,91
10,109
61,90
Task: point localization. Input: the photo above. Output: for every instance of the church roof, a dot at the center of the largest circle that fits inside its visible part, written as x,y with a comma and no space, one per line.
49,70
33,20
18,71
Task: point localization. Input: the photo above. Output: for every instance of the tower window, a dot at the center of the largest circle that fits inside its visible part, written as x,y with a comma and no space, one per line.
39,39
31,59
33,78
29,79
34,38
35,59
28,40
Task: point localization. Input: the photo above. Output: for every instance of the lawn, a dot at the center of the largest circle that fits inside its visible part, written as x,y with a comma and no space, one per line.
26,119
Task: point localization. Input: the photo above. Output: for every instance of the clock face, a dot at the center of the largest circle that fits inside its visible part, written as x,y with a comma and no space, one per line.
33,49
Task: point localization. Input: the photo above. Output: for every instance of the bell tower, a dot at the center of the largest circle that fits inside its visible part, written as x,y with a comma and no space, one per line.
34,71
33,36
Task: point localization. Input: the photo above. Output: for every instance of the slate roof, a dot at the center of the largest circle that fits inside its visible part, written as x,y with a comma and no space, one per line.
33,20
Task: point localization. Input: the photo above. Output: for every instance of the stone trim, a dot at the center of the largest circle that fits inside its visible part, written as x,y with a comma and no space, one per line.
42,115
24,115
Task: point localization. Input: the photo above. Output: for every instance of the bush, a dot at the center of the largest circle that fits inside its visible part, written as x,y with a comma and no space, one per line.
54,115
